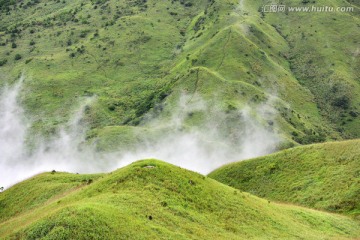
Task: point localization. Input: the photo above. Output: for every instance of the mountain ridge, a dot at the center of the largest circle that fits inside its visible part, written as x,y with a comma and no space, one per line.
132,69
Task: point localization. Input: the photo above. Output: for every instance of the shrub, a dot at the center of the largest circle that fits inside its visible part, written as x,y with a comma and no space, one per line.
17,57
353,114
342,102
83,33
3,62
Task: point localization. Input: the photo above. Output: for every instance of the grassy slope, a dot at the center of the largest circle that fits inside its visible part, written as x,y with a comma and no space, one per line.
161,202
132,55
323,176
321,60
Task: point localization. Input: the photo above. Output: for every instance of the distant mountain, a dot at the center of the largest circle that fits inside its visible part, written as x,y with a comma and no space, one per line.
138,56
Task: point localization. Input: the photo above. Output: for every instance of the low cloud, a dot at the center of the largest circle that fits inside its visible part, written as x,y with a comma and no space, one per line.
218,138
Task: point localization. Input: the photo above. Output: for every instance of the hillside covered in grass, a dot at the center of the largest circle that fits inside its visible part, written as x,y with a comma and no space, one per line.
197,82
137,57
154,200
322,176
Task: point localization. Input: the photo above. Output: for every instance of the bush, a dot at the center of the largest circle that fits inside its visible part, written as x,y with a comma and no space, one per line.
17,57
13,45
3,62
342,102
83,33
353,114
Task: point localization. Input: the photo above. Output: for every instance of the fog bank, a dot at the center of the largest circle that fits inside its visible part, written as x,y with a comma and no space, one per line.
200,148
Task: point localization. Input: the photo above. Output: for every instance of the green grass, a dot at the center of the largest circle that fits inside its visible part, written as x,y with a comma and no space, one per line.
137,58
322,176
45,188
161,202
134,55
322,62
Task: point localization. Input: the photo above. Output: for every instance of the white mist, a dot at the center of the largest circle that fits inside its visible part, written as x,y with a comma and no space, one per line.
200,149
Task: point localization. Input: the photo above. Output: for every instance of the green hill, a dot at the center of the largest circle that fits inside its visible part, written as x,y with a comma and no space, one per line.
216,68
134,55
322,176
154,200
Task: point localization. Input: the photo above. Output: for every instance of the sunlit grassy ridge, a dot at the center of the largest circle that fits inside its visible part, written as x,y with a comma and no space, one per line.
152,199
323,176
134,55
